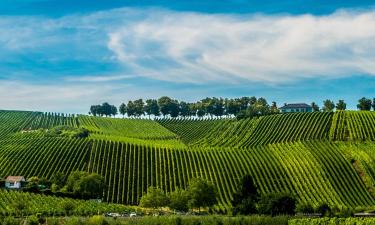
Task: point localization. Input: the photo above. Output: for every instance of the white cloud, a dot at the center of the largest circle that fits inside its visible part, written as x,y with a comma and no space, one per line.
191,47
99,78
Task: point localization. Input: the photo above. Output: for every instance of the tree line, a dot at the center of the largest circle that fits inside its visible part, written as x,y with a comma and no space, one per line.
244,107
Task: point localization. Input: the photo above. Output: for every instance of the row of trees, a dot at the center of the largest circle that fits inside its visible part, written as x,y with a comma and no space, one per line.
243,107
166,106
200,193
364,104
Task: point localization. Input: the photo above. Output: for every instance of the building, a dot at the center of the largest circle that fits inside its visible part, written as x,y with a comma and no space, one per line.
296,107
14,182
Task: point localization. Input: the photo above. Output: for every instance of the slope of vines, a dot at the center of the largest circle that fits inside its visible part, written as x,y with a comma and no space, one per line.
269,129
293,153
190,130
314,171
353,126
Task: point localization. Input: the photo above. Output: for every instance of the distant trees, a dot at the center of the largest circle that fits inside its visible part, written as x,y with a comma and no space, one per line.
364,104
315,107
341,105
104,109
328,105
244,107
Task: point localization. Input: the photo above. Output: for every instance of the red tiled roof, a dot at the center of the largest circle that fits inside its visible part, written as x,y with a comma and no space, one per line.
15,178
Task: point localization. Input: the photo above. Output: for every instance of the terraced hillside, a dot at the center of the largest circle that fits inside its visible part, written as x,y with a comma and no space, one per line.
319,157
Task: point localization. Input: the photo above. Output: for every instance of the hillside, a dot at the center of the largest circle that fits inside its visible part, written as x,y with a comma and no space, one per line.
319,157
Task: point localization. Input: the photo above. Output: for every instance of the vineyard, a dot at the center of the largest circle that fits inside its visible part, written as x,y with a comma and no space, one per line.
49,205
318,157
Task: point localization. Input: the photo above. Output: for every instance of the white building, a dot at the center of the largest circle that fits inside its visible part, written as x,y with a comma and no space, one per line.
14,182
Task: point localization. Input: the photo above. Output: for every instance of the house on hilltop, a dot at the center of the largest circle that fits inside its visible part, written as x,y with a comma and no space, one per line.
296,107
14,182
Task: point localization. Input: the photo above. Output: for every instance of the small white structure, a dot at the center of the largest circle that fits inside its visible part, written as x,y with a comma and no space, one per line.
14,182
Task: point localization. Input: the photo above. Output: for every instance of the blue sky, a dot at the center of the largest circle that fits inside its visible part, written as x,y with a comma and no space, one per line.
63,56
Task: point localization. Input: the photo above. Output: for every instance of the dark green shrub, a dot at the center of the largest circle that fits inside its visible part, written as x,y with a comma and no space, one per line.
277,204
32,220
10,221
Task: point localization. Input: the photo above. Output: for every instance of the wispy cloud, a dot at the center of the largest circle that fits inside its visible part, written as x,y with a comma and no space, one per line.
191,47
98,78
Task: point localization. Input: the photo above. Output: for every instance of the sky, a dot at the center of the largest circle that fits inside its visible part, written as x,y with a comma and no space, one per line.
63,56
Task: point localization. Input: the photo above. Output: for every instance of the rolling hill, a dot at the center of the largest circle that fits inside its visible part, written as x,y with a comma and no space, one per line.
319,157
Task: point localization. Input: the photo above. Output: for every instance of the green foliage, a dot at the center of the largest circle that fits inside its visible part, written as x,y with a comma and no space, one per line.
202,193
305,208
277,204
335,221
66,131
10,221
85,184
97,220
341,105
178,200
364,104
74,221
68,207
245,198
154,198
32,220
328,105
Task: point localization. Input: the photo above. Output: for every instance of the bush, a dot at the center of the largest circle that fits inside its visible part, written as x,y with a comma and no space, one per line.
10,221
277,204
305,208
32,220
324,209
74,221
97,220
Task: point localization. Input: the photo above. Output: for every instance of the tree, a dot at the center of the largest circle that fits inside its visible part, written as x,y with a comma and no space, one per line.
131,109
184,109
246,197
232,107
155,198
85,184
90,186
314,107
341,105
58,179
122,109
373,104
328,105
274,109
179,199
164,105
152,107
139,107
202,194
277,204
364,104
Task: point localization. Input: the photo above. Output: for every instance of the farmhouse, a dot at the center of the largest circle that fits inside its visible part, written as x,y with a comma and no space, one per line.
296,107
14,182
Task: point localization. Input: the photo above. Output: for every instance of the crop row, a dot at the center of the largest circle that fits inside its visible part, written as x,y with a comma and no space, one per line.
269,129
190,130
354,126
